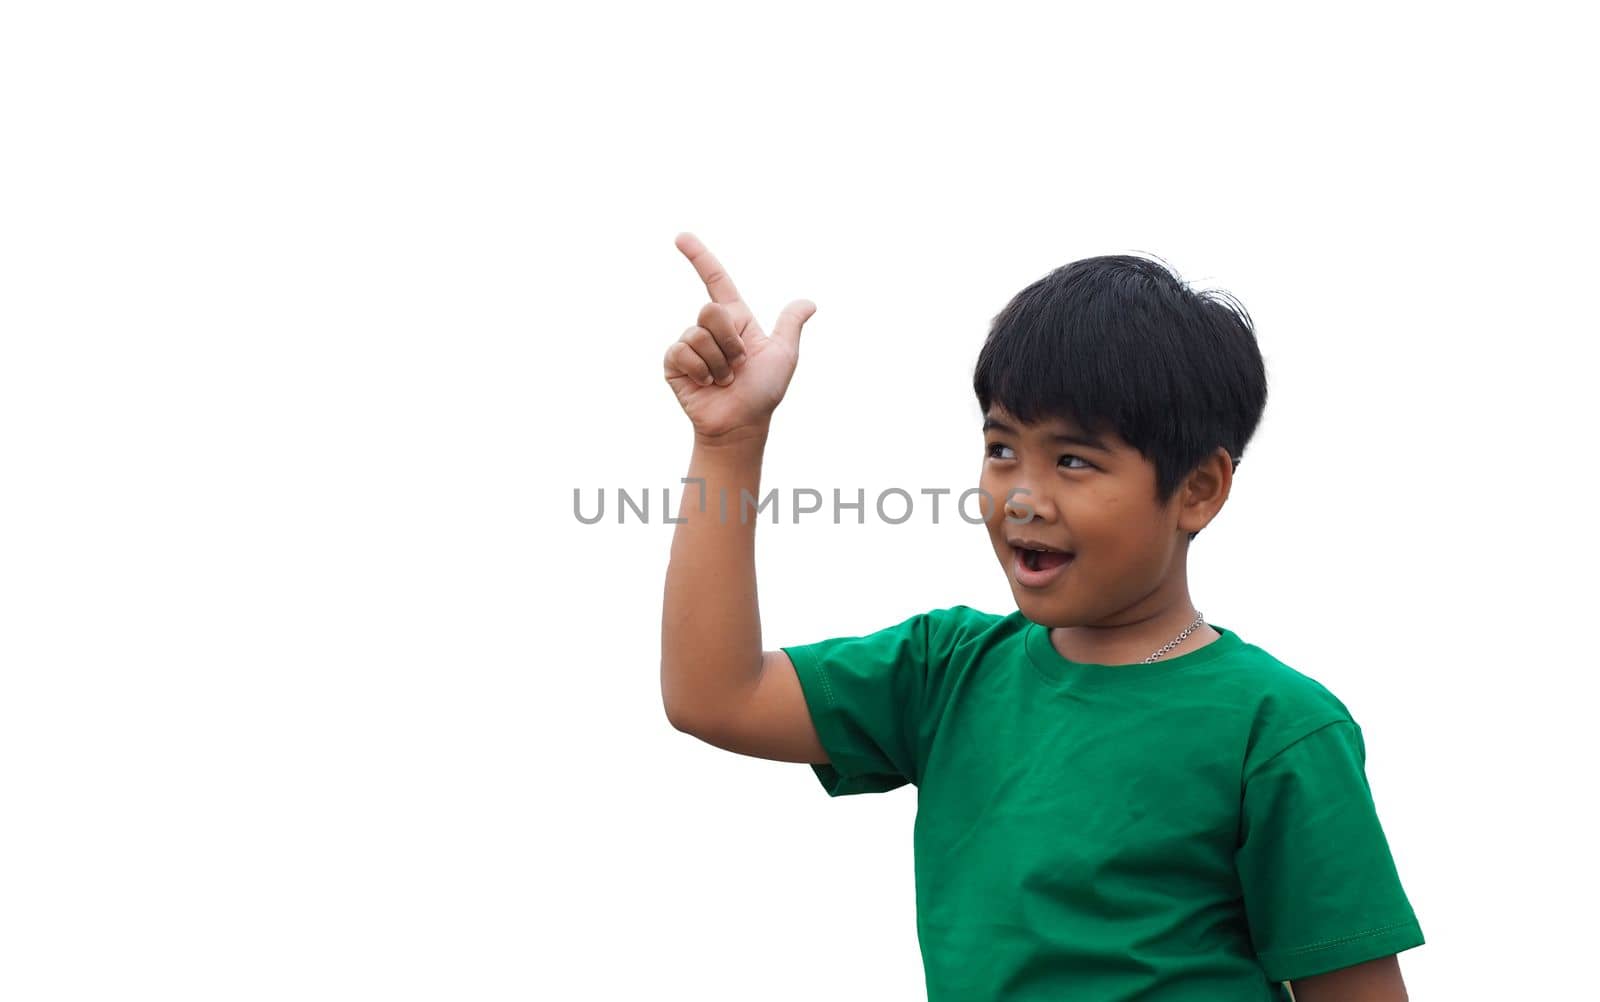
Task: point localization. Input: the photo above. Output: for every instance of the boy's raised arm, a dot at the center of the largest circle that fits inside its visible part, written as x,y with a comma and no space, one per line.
728,376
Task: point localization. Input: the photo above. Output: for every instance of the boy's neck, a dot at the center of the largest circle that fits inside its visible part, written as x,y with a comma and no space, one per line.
1130,643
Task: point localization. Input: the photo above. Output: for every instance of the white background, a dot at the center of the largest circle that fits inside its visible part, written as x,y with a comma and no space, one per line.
314,315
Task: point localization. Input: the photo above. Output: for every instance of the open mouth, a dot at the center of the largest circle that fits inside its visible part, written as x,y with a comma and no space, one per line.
1043,560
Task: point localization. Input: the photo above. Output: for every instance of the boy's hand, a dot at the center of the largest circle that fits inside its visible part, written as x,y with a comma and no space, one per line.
727,374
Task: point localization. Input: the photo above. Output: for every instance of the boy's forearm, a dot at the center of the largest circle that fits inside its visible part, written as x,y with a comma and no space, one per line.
710,618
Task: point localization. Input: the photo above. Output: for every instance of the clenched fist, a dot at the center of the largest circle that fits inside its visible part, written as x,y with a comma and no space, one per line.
727,374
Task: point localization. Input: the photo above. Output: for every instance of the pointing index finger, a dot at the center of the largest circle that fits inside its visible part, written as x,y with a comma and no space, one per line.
711,272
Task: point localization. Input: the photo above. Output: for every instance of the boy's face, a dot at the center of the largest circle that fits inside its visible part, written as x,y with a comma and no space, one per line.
1095,501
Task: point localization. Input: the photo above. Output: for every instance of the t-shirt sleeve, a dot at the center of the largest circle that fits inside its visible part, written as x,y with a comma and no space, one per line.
1320,887
866,695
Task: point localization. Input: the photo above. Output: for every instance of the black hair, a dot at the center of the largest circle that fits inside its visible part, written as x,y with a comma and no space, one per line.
1122,343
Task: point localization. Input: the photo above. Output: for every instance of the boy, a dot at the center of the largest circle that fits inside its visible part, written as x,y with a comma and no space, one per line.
1116,800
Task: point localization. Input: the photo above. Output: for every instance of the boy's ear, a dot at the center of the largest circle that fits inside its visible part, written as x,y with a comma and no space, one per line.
1205,490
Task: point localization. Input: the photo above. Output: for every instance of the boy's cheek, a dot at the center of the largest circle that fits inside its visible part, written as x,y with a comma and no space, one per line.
993,500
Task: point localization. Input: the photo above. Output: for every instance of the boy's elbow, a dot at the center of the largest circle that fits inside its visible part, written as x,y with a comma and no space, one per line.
679,721
681,718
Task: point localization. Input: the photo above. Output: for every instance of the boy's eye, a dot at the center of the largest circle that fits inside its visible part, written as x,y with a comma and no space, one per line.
990,452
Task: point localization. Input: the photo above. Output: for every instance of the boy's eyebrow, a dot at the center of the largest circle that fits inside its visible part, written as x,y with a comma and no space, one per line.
1084,440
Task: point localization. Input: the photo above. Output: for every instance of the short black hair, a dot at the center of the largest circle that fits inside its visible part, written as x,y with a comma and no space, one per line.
1121,343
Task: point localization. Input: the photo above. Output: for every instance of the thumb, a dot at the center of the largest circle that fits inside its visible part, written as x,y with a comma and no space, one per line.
793,317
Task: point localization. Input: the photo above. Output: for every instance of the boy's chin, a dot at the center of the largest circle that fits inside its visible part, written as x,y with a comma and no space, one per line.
1042,609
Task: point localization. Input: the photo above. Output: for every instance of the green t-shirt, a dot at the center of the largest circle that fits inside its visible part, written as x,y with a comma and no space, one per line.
1199,827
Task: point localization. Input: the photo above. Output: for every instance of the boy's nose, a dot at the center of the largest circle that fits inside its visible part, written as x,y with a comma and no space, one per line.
1025,504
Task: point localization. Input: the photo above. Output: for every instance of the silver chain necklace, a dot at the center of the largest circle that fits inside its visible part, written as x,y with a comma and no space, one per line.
1177,640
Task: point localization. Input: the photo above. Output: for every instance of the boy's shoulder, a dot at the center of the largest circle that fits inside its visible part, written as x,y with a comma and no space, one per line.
1284,704
1264,668
953,626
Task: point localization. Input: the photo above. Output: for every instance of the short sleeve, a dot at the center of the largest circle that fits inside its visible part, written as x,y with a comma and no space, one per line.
1320,887
865,695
